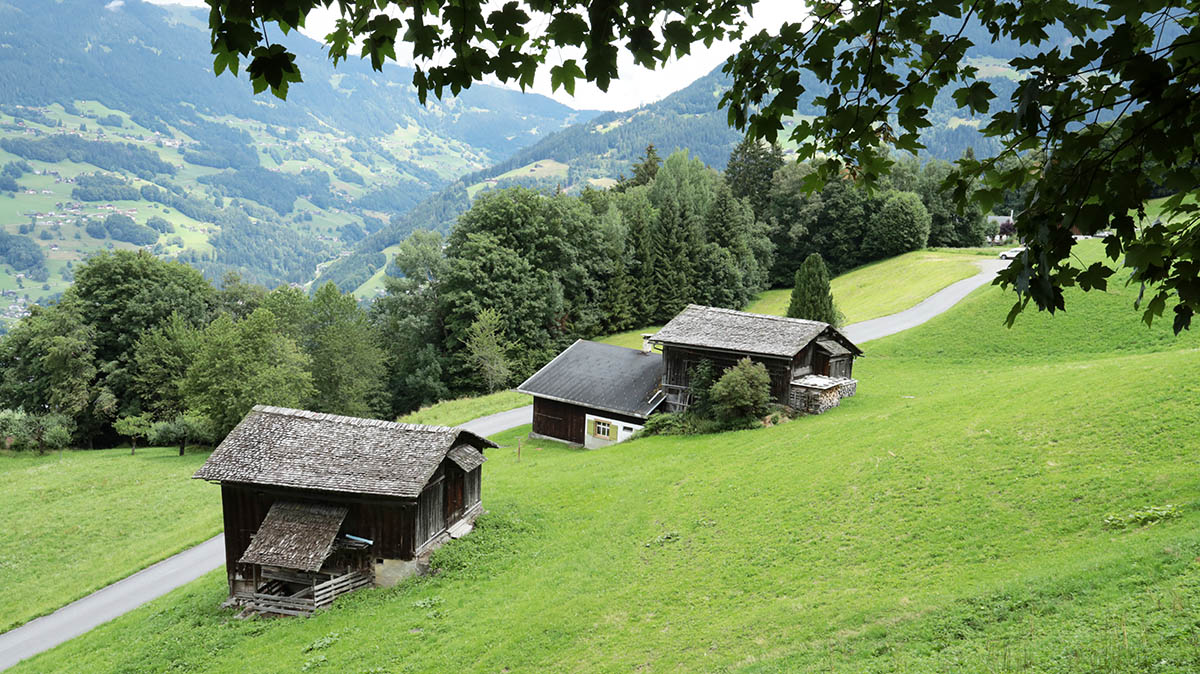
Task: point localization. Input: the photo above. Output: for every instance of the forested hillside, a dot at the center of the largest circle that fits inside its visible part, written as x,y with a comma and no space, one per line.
599,152
113,110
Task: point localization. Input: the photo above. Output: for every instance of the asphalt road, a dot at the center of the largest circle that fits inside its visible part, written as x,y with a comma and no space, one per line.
123,596
935,304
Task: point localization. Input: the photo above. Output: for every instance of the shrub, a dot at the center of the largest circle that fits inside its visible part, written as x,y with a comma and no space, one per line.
701,379
669,424
742,394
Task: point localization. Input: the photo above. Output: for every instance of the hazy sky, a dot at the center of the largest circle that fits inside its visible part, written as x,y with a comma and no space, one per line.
637,86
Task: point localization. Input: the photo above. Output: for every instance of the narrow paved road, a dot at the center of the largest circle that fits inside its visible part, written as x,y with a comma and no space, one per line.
154,581
935,304
95,609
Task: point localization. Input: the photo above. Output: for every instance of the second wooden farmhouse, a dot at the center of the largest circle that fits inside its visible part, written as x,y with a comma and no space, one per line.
811,363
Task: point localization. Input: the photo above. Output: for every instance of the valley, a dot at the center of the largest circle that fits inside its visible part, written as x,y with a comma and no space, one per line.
962,525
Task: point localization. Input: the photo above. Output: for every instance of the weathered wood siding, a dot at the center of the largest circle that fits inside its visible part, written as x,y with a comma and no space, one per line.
680,360
559,420
389,523
431,509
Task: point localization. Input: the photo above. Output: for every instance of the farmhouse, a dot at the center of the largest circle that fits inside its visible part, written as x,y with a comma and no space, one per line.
595,394
804,358
316,505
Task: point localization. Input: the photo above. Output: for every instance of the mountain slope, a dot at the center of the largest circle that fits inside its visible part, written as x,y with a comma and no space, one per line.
248,183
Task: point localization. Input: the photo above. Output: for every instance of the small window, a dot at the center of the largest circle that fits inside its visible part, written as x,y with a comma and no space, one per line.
627,429
603,428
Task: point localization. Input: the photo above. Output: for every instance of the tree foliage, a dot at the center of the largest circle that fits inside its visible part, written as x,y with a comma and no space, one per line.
1107,95
742,393
812,298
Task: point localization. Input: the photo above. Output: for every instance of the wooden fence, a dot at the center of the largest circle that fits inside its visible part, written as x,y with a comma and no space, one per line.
319,596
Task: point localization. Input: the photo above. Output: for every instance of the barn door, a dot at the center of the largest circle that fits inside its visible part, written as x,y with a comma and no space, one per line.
455,479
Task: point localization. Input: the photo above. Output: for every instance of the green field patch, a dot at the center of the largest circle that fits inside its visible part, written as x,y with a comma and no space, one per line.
462,410
76,521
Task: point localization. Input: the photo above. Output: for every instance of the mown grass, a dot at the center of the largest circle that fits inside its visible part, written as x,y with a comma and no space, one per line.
76,521
884,287
462,410
950,517
873,290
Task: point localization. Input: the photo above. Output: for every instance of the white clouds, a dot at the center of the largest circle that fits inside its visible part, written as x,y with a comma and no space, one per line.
115,5
637,86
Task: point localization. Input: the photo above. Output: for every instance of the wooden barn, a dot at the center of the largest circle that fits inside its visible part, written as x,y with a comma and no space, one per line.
316,505
595,394
804,358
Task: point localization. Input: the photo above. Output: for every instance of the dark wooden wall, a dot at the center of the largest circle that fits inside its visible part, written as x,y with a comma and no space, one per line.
559,420
679,360
388,522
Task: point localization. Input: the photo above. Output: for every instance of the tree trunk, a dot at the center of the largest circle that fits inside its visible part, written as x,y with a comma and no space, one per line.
182,446
132,445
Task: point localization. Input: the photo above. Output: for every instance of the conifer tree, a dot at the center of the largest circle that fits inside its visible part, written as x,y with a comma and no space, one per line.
812,298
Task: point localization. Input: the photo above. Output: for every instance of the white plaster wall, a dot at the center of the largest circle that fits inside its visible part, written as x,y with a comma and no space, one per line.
618,434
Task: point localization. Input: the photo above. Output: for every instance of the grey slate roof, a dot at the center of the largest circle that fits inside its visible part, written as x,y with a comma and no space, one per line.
309,450
296,535
601,376
739,331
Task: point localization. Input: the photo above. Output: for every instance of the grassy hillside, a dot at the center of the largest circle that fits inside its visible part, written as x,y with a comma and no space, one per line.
950,517
887,286
871,291
74,522
454,412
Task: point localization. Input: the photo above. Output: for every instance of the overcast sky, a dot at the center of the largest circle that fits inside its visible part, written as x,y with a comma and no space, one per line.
637,86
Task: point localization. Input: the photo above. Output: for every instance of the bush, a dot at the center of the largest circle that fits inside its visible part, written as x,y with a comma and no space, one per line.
701,379
669,424
742,394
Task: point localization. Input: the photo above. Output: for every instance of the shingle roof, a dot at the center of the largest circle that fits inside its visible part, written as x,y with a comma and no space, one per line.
309,450
467,458
601,376
833,348
739,331
296,535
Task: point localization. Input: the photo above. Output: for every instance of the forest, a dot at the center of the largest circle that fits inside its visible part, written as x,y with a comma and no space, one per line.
141,347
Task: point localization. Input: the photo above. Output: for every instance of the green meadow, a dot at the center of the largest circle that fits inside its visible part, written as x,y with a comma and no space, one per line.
975,508
76,521
462,410
870,291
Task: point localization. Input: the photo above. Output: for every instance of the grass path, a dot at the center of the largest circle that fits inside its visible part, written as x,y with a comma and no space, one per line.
77,521
950,517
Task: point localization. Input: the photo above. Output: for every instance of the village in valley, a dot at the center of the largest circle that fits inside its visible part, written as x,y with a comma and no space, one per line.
422,364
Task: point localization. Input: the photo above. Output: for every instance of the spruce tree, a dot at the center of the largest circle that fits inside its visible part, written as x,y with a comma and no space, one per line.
811,297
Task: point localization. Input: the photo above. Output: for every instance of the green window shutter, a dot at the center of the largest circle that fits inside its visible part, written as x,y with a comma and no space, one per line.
592,427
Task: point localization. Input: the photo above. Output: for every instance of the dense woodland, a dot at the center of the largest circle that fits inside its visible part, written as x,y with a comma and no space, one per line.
142,347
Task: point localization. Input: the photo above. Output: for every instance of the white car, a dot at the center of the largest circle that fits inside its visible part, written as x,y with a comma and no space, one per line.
1012,253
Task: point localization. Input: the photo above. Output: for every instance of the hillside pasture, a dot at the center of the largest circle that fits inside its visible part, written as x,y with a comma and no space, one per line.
462,410
76,521
955,515
884,287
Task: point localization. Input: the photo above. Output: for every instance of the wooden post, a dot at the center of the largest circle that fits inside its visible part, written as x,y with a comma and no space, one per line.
518,450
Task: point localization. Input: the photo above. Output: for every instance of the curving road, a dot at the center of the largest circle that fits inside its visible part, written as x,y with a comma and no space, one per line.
152,582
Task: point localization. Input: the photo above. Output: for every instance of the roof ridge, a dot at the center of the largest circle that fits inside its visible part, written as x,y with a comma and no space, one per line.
784,319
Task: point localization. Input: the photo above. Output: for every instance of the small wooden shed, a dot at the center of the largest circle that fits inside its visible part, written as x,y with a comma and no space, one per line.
790,349
316,505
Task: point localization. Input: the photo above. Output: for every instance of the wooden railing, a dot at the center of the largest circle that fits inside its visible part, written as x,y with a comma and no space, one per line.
324,593
321,595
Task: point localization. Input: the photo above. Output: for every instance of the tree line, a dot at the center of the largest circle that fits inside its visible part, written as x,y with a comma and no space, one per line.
142,347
